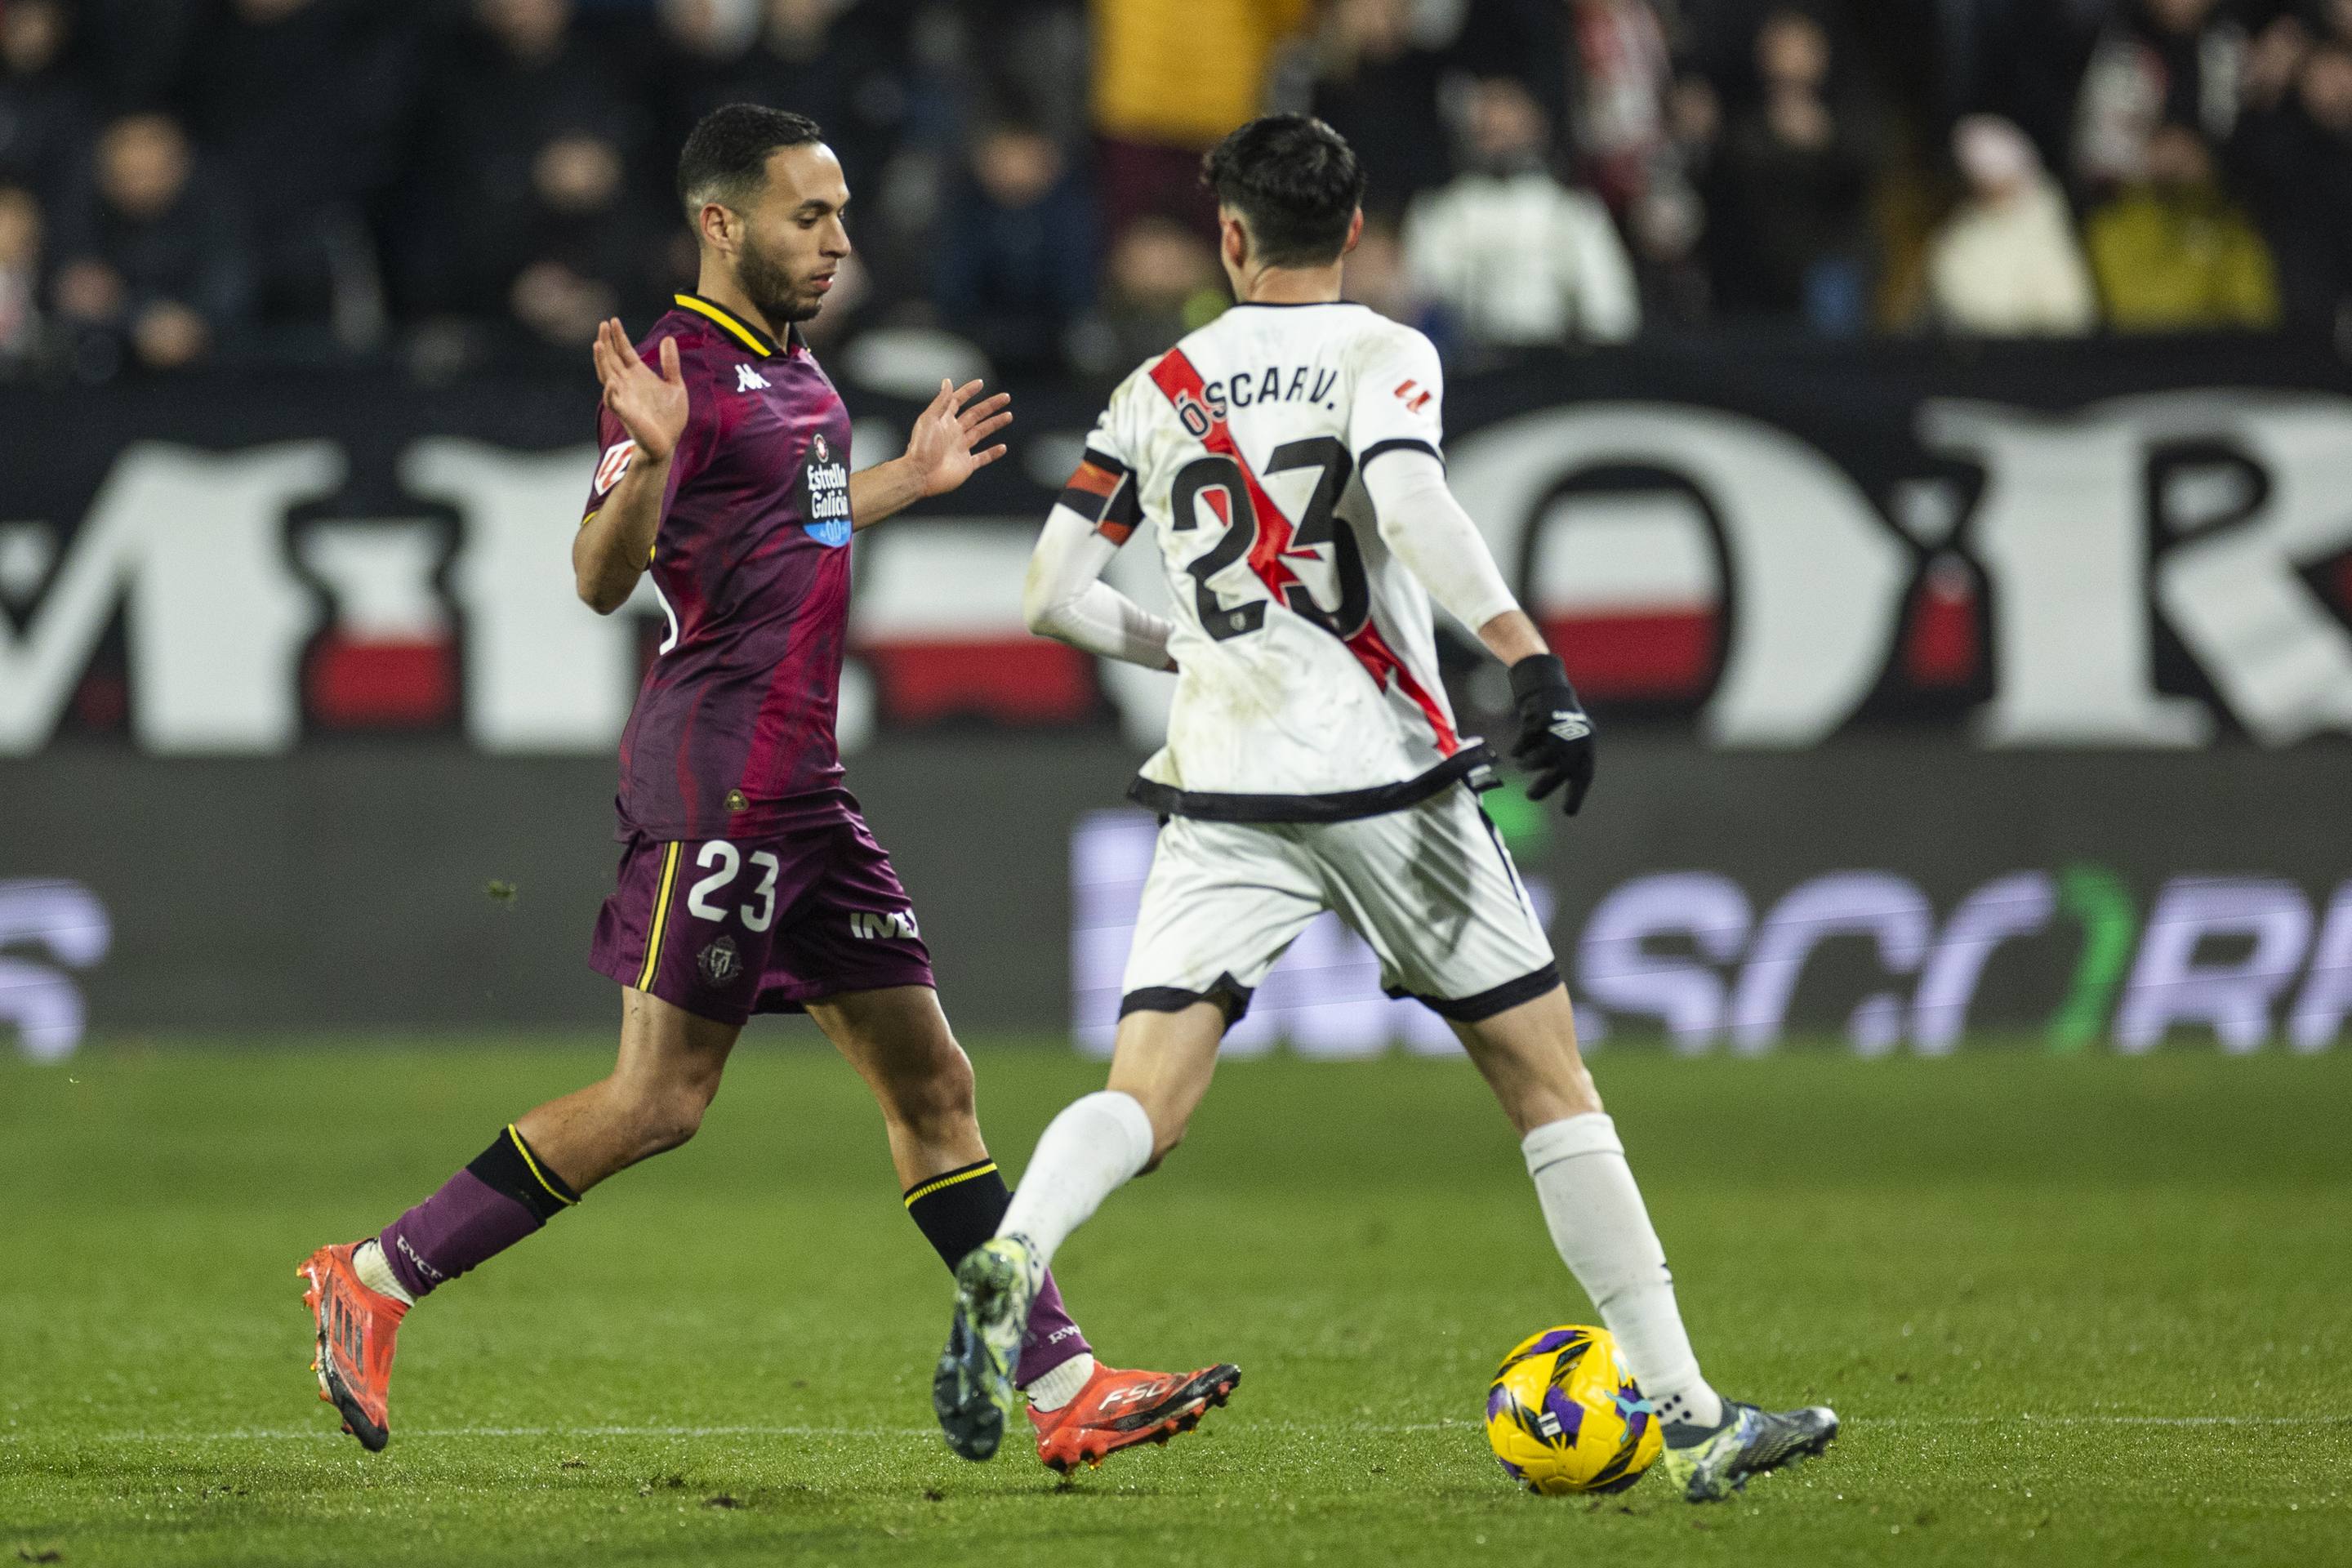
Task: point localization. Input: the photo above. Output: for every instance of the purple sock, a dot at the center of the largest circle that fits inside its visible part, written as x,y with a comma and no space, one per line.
504,1195
956,1211
1053,1338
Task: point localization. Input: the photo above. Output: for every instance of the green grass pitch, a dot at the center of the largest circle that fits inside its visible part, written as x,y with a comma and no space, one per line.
2073,1311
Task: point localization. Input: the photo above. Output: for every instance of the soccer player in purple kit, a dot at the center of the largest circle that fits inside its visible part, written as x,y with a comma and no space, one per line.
748,882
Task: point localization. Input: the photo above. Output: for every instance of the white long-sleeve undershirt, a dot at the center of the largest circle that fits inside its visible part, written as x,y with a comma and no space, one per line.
1067,599
1424,527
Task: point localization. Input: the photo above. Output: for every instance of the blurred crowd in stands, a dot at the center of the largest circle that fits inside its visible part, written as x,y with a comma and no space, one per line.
447,184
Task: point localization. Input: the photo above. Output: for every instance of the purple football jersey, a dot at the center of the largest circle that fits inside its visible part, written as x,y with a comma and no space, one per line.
732,735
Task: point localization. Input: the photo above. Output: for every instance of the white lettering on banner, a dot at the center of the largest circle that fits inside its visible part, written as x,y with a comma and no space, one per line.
2204,509
2060,529
2279,660
959,580
541,673
2004,909
1875,904
193,545
1618,973
1325,998
379,571
27,551
1801,536
67,918
2169,985
1645,553
2326,1001
942,580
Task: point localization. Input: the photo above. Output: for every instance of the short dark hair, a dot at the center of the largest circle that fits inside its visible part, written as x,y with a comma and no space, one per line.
726,156
1296,185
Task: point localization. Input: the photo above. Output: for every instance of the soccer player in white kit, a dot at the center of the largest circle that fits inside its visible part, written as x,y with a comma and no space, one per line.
1287,459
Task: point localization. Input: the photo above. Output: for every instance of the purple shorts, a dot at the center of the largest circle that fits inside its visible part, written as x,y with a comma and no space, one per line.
726,928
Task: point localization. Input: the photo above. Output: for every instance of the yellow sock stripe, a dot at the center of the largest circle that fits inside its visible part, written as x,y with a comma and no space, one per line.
950,1180
661,916
523,1149
742,334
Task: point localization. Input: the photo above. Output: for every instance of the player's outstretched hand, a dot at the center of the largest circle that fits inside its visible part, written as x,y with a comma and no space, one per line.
944,449
650,407
1555,735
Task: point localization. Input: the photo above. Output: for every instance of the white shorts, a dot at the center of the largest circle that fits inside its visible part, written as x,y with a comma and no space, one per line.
1431,887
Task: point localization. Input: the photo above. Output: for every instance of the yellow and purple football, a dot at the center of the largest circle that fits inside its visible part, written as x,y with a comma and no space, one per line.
1563,1414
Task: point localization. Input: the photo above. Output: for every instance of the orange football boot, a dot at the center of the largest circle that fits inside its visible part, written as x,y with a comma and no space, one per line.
356,1327
1120,1409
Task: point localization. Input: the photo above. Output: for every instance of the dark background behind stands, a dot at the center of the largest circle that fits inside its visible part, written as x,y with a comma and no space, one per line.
447,185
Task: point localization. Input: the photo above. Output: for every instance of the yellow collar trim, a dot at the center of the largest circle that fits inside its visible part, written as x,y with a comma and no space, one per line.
743,331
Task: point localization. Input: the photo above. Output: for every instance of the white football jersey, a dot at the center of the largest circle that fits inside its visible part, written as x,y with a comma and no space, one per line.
1309,687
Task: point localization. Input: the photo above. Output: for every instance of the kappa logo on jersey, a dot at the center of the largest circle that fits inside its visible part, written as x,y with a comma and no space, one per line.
882,925
614,464
824,494
750,379
1412,395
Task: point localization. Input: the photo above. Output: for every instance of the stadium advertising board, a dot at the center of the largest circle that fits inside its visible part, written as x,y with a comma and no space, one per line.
1899,656
2034,547
1695,956
49,930
1894,893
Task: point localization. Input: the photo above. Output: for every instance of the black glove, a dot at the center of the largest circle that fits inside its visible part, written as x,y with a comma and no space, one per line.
1555,736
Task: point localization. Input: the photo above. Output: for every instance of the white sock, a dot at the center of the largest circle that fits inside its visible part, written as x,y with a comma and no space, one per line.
1604,1237
1061,1385
1097,1142
367,1262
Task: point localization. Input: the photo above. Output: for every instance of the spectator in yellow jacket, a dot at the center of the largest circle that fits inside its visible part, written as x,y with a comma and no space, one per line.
1170,78
2173,253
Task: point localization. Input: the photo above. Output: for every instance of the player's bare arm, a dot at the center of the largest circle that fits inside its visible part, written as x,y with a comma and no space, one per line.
610,551
942,451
